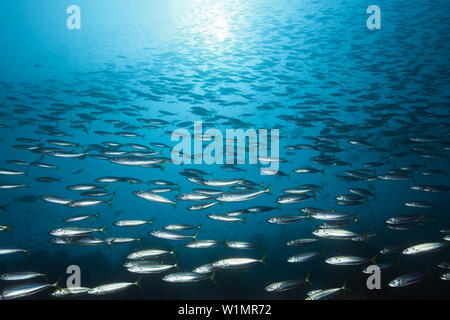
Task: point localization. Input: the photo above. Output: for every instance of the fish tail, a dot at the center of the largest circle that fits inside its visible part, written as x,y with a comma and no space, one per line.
102,230
213,277
357,217
373,259
364,235
8,227
110,244
344,286
307,280
263,260
56,284
138,282
27,251
268,190
173,253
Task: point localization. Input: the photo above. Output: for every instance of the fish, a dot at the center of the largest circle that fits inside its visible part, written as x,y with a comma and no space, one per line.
332,233
82,203
407,279
233,263
285,219
182,277
112,287
287,284
237,197
75,231
349,260
423,248
301,242
132,223
202,244
24,290
152,197
149,267
326,293
225,218
302,257
23,275
149,253
240,245
4,251
71,292
170,235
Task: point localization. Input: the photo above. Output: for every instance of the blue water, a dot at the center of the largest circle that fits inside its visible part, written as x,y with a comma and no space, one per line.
256,61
